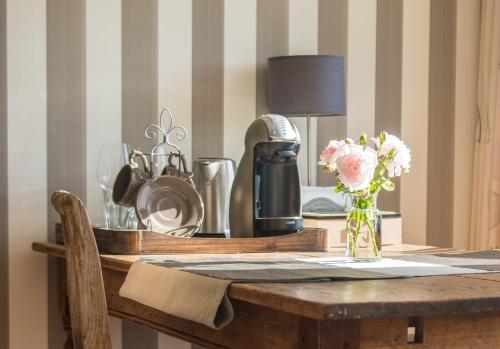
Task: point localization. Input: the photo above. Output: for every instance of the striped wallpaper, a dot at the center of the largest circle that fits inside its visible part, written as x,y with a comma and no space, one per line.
77,73
4,200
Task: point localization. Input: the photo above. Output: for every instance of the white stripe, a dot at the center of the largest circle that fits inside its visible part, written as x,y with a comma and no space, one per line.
414,117
175,64
174,84
303,40
303,27
240,40
27,171
104,109
361,67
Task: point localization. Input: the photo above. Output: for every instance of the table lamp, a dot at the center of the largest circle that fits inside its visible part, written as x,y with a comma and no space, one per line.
307,86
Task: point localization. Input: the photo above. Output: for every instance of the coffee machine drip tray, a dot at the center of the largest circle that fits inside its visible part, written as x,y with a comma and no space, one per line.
265,227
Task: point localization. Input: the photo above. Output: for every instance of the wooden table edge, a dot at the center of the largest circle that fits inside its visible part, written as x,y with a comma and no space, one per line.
251,293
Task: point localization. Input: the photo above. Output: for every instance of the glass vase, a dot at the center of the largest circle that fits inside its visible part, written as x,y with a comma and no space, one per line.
364,234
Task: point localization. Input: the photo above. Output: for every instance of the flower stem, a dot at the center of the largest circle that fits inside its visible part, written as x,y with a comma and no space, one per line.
372,236
351,243
356,235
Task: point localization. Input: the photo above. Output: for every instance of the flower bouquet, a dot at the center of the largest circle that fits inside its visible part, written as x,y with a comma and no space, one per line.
362,172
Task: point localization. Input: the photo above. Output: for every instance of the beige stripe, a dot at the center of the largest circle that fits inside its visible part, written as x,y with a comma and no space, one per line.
388,80
139,107
388,69
272,40
66,97
139,70
468,33
239,74
332,40
208,78
441,123
66,125
4,200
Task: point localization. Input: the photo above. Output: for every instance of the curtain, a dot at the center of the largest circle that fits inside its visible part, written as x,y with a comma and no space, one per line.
485,215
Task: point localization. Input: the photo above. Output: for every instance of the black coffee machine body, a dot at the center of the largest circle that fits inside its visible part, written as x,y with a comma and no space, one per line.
266,197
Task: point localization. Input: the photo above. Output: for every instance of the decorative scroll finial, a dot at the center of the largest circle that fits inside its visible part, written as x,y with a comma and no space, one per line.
154,131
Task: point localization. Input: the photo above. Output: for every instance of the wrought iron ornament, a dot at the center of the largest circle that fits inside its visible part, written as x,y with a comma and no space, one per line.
155,131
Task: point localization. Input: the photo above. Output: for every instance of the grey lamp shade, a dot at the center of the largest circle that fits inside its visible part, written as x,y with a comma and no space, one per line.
306,85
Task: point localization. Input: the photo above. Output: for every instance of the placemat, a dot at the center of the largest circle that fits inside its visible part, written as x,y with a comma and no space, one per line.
286,269
196,289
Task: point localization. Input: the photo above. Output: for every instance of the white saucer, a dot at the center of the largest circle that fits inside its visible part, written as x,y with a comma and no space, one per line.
166,204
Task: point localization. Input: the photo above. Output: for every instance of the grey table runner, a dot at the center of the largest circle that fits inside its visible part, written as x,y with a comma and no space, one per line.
333,268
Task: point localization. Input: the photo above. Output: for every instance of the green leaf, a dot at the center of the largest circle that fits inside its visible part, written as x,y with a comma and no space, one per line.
363,203
391,154
363,139
340,187
383,137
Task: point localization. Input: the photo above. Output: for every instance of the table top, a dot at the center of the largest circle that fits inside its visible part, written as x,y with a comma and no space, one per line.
418,296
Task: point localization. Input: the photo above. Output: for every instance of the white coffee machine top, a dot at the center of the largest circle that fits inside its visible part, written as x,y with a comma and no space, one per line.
280,128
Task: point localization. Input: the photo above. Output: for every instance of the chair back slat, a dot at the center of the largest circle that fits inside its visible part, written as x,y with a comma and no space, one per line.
87,300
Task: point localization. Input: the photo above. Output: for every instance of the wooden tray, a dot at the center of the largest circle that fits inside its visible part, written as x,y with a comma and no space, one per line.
148,242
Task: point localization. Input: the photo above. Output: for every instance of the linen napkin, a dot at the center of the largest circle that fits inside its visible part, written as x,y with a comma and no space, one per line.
189,296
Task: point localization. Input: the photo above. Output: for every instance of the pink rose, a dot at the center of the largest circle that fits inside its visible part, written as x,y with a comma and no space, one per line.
356,168
327,155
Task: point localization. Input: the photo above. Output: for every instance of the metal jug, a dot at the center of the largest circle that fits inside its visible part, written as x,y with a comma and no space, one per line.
213,179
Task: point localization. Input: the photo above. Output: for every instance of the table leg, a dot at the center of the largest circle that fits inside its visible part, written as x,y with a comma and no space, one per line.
317,334
339,334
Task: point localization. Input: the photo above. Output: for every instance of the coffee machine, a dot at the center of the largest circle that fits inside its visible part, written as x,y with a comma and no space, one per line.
265,196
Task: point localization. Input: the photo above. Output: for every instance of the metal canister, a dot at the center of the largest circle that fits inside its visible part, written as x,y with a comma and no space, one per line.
213,178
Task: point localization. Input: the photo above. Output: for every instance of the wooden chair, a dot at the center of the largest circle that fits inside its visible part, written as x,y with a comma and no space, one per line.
87,301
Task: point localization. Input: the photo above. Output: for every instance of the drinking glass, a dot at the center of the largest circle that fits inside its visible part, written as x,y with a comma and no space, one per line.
112,157
159,160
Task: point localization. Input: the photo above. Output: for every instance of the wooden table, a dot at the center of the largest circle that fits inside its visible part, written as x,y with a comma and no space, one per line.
439,311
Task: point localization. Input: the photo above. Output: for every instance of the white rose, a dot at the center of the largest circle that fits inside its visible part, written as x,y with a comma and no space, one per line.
402,154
